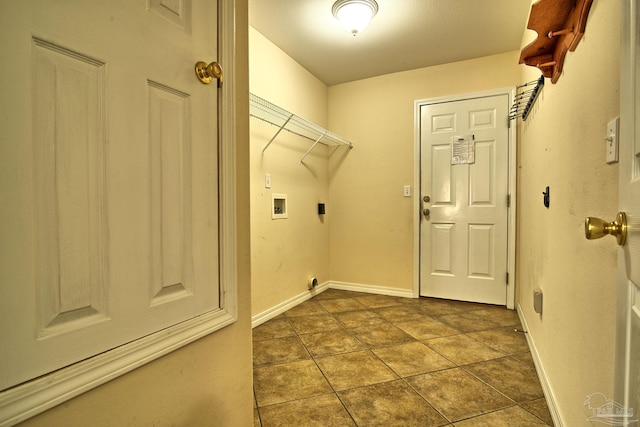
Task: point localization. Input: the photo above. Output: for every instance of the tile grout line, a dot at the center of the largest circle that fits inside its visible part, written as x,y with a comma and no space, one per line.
369,349
335,392
519,404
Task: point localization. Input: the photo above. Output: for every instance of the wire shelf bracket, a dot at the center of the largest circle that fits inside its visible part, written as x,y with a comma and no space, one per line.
284,120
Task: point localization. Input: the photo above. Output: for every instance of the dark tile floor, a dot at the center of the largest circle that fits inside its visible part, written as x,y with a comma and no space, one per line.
354,359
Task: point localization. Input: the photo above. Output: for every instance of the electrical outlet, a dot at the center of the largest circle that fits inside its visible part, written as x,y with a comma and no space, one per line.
612,140
406,192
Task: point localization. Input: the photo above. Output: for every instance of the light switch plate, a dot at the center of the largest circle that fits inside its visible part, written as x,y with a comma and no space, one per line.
611,140
406,192
267,181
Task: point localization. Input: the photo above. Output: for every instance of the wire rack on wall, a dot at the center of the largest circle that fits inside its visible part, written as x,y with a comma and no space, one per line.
525,98
284,120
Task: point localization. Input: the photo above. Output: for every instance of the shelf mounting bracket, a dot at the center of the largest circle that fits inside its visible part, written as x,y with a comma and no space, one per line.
313,146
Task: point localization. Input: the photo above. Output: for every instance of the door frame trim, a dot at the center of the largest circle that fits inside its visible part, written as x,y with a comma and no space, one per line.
628,89
511,216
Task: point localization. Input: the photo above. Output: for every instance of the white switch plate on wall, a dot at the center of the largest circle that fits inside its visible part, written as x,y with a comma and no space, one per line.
267,181
406,191
612,140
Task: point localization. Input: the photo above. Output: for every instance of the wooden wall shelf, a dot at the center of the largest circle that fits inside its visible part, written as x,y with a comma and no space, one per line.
560,25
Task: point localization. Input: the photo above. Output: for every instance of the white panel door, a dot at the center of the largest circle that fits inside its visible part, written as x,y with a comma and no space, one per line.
627,383
109,176
463,232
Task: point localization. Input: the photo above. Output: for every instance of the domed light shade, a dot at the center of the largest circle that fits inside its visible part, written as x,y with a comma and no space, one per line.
354,15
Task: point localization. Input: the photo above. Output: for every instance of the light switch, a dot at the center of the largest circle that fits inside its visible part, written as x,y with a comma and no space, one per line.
406,192
611,140
267,181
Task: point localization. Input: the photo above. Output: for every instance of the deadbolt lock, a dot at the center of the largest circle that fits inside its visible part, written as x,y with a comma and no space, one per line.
426,199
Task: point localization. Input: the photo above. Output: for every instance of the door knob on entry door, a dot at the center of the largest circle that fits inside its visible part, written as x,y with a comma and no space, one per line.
207,72
595,228
425,211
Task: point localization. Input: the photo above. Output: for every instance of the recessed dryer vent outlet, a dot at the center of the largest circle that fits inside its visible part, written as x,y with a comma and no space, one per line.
537,301
279,206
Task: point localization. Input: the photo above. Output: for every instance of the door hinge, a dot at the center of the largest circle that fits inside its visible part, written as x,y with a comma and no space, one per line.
508,200
507,277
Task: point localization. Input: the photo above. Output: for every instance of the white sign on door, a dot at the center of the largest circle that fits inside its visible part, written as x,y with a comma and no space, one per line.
463,150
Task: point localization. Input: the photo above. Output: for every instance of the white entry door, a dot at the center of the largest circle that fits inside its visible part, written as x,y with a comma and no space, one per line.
627,383
108,177
464,187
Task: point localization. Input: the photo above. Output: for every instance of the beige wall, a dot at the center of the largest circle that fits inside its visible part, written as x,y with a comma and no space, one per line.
371,234
208,382
286,252
366,237
562,145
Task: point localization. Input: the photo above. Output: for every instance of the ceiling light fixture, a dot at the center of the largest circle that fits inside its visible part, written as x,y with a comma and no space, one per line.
354,15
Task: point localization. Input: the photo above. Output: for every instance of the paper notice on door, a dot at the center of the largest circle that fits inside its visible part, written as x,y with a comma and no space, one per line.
463,150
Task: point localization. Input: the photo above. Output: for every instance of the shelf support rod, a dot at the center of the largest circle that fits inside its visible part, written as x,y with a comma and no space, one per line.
313,146
274,136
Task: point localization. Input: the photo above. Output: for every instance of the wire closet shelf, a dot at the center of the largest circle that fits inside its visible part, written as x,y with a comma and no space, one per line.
285,120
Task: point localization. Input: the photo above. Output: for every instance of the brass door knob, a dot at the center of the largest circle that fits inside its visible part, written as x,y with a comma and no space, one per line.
426,212
207,72
595,228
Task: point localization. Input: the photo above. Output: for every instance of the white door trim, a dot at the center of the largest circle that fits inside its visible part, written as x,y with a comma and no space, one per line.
511,229
31,398
628,137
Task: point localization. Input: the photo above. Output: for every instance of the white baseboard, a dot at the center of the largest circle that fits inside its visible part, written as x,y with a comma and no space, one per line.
371,289
278,309
544,381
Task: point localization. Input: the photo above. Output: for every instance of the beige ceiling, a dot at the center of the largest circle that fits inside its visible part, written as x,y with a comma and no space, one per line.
405,34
